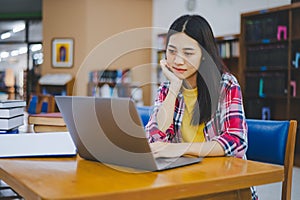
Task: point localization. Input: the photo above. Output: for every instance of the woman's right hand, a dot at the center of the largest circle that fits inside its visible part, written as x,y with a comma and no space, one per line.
174,80
169,150
164,119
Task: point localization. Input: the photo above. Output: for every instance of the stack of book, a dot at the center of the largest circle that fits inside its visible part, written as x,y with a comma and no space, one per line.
47,122
11,115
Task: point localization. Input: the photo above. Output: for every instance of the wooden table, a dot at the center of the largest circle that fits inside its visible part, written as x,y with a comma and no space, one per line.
76,178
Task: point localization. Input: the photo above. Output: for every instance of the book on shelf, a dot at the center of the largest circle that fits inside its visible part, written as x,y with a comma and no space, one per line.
12,103
54,118
11,112
235,49
10,123
49,128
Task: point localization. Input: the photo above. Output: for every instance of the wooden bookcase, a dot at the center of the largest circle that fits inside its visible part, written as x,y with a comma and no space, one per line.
114,83
269,62
228,46
161,54
268,43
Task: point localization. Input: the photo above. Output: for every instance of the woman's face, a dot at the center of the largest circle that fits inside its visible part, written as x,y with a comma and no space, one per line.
183,56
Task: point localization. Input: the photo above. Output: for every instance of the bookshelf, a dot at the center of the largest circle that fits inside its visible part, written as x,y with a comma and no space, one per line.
228,46
269,59
269,43
114,83
161,54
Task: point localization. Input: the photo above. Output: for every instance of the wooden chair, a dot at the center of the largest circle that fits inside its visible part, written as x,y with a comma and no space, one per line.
41,103
274,142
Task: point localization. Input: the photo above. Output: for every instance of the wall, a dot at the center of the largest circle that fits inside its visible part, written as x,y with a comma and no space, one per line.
107,34
19,7
105,31
223,15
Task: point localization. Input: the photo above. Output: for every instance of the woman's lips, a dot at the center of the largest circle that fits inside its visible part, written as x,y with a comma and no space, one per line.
179,70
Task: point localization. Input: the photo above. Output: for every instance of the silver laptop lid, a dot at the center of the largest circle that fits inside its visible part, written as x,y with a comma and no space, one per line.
108,130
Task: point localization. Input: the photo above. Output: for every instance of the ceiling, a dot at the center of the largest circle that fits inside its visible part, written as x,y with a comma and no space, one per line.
15,9
20,6
35,33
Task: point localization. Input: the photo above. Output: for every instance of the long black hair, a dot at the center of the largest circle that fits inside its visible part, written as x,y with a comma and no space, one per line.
211,67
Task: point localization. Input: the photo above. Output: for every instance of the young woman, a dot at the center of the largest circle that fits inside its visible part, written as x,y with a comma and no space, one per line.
199,110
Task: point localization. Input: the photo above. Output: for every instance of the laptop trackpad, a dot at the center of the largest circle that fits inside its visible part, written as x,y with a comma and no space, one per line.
168,163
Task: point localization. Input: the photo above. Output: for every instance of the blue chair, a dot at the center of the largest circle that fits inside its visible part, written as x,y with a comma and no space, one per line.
273,142
269,141
145,112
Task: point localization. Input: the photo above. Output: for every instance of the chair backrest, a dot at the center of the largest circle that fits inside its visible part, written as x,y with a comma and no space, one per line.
41,103
144,112
273,142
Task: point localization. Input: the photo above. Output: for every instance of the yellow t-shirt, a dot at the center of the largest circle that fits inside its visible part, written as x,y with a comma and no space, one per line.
191,133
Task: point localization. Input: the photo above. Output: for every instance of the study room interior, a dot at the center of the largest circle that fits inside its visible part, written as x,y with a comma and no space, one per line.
112,49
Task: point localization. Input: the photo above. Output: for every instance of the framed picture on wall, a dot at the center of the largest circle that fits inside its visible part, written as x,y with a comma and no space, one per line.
62,52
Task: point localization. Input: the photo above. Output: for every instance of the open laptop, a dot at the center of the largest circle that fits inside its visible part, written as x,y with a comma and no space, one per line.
110,130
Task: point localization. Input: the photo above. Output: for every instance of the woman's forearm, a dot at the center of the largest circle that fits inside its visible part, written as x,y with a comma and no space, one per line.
200,149
166,110
205,149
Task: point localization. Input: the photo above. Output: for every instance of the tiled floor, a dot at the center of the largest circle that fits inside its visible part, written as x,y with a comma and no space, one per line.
273,191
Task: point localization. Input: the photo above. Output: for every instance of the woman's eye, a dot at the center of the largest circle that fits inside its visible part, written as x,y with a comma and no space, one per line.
188,53
172,51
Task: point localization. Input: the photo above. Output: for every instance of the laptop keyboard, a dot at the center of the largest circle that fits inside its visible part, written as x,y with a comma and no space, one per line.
167,163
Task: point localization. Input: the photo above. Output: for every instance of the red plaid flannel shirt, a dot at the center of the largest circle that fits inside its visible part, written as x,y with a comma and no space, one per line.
227,126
